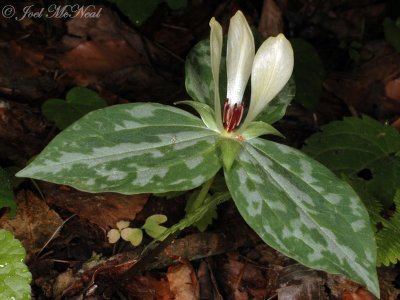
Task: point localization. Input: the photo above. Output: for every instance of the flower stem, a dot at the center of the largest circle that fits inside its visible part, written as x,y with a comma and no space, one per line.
198,202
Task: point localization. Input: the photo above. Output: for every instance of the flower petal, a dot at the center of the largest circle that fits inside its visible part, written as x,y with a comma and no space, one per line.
272,68
239,57
216,50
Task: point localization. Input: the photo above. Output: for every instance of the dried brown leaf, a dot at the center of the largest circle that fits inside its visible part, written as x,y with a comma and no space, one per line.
151,288
183,282
34,224
100,57
103,209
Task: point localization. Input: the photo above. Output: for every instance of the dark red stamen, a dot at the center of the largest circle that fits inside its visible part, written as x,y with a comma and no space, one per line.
232,115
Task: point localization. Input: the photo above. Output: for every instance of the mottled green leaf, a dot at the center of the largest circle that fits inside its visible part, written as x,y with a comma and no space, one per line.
276,109
130,149
373,205
360,148
6,193
15,277
388,248
78,102
300,208
198,76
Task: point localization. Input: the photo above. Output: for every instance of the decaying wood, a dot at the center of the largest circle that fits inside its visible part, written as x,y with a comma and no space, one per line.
205,244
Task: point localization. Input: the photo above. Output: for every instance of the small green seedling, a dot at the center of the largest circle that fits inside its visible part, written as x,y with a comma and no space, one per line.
152,225
78,102
132,235
135,235
295,204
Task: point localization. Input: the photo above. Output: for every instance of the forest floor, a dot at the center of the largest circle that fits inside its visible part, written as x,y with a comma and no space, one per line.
65,231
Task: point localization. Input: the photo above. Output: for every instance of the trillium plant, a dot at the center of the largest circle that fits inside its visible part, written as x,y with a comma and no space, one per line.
292,202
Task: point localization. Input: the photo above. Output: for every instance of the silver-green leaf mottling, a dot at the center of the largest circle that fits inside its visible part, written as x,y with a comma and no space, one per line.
198,76
198,79
276,109
130,148
300,208
356,145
